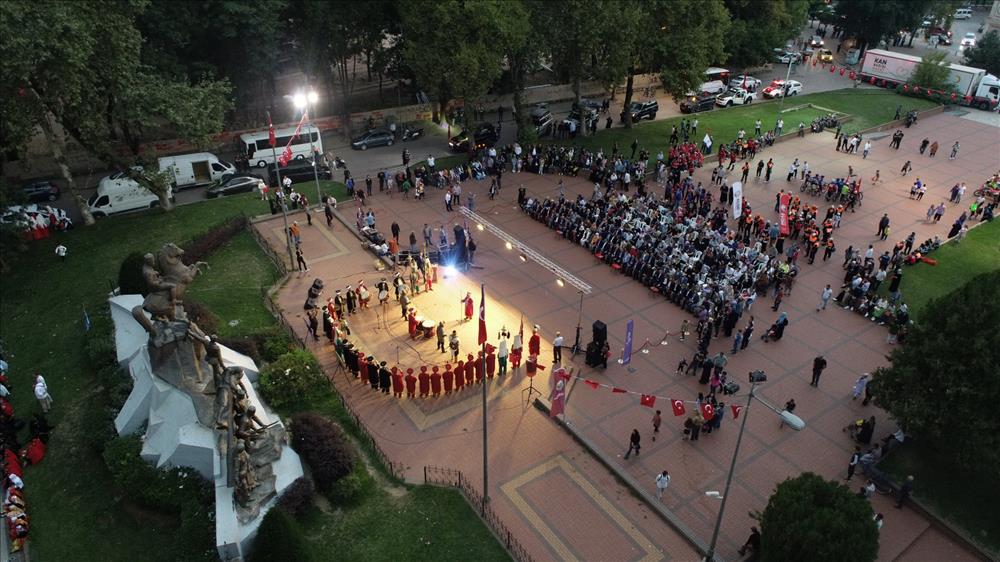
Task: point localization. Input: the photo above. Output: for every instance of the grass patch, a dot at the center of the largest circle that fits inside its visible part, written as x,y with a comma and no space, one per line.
231,287
445,162
957,263
963,498
426,523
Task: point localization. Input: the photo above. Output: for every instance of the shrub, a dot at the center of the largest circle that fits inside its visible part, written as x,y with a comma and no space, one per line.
130,280
279,537
213,239
99,342
298,496
274,343
243,344
323,446
353,488
294,377
201,315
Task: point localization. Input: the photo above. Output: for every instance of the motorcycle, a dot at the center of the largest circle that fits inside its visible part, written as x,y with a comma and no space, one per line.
339,163
911,118
411,134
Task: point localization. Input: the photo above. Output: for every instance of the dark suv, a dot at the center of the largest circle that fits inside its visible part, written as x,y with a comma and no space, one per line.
695,104
40,190
485,134
642,110
298,171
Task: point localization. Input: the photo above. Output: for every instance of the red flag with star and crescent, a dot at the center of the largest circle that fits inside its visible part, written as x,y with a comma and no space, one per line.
647,400
707,411
736,410
482,315
271,136
678,407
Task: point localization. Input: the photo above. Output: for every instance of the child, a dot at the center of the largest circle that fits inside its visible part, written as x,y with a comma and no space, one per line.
681,366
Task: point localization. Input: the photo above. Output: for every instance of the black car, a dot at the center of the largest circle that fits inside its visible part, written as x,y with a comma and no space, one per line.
298,171
40,190
375,137
485,134
642,110
695,104
237,184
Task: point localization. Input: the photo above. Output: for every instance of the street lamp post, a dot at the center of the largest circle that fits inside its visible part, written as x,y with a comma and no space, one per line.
307,102
781,104
281,201
579,320
793,421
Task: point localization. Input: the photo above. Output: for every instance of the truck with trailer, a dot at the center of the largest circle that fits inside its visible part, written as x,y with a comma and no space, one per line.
973,86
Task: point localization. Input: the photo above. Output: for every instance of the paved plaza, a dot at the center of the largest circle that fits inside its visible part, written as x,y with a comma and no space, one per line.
559,500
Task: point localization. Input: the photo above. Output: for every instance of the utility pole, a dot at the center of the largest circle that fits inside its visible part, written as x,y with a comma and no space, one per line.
486,469
281,201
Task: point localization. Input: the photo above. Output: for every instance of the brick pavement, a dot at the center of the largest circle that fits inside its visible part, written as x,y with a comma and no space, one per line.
531,457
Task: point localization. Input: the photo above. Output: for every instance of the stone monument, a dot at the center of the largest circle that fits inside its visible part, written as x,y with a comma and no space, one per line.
197,402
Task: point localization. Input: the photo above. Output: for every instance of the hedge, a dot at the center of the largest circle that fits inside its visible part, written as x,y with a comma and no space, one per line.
294,377
324,447
279,537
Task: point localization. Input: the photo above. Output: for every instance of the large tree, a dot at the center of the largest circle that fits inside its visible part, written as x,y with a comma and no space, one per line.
757,28
932,73
809,518
73,71
944,378
872,20
986,54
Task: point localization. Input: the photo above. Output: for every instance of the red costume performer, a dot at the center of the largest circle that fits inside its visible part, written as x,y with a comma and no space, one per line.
468,306
449,378
363,295
425,382
535,343
491,361
470,370
397,382
479,367
435,381
459,375
411,320
362,368
411,383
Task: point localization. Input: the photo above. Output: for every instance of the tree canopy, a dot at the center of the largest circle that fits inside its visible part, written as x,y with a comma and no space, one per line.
809,518
873,20
932,72
986,53
758,27
944,377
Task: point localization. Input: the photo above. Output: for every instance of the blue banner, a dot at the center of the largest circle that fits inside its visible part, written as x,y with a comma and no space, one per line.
627,352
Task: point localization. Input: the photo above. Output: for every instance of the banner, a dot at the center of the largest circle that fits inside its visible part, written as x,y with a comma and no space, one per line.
737,199
482,315
627,352
783,202
558,395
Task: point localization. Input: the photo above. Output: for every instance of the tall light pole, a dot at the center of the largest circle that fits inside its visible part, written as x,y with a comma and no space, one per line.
579,320
281,201
306,102
784,93
793,421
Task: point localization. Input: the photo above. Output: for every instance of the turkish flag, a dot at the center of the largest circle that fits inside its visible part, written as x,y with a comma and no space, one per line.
647,400
678,406
558,395
592,384
482,315
784,200
736,410
286,156
271,137
707,411
617,390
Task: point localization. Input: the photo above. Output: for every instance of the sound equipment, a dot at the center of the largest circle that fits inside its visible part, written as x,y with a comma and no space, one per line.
600,332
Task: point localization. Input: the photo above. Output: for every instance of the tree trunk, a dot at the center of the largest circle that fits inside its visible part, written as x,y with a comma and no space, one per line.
56,146
629,82
581,129
344,93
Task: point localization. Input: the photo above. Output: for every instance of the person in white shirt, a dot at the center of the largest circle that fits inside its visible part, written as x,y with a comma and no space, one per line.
662,481
61,251
42,394
287,182
430,163
557,348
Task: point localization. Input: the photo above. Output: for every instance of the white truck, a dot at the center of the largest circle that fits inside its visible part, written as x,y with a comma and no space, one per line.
118,193
200,168
974,86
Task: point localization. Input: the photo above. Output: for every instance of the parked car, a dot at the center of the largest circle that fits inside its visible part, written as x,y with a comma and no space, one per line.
642,110
734,96
40,190
816,41
596,105
543,121
787,57
779,88
962,14
238,184
696,104
942,39
937,30
825,55
748,83
574,115
375,137
969,40
484,134
298,171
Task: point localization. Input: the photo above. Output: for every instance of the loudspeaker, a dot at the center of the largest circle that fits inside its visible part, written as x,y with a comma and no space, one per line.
600,332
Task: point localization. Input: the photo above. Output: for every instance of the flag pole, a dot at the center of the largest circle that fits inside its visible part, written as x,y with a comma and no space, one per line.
486,477
281,200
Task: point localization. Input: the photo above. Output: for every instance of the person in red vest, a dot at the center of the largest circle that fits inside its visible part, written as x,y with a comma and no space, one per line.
397,382
411,383
460,375
491,361
425,382
535,343
435,381
470,370
449,378
468,306
479,368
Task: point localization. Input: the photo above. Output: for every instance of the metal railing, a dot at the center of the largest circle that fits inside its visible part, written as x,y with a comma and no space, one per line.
441,476
278,261
395,469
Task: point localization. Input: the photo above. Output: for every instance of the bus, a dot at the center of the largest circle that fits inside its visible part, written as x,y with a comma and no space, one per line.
257,146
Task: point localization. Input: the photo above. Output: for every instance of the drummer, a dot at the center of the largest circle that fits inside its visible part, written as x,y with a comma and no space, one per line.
363,295
412,323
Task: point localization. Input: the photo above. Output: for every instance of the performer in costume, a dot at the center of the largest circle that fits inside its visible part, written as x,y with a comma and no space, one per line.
468,306
411,383
459,375
425,381
435,381
397,382
449,378
384,378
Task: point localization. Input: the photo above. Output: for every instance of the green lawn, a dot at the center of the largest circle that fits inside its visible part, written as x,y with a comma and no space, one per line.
966,499
957,263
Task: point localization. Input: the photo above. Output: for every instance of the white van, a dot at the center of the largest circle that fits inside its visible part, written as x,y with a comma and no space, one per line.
962,14
200,168
118,193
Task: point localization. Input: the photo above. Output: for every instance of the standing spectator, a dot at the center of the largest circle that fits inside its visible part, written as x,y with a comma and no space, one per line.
904,491
453,345
440,336
819,363
662,481
954,151
789,407
61,252
853,463
825,298
657,420
934,149
300,260
883,227
395,231
859,386
906,168
42,393
753,541
633,443
557,344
